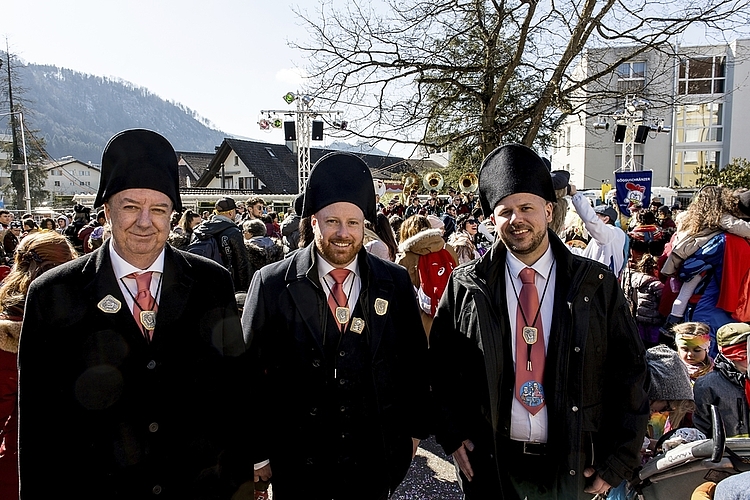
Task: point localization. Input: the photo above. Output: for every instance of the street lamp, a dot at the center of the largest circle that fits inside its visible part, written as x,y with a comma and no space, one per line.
25,167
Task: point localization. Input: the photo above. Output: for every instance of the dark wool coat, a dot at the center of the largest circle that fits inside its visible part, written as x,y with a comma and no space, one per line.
106,414
320,392
593,380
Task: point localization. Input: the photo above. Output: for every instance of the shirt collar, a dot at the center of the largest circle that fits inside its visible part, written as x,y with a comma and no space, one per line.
324,267
122,268
543,265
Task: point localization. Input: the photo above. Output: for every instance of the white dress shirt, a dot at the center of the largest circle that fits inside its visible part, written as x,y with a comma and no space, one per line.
352,284
523,425
128,286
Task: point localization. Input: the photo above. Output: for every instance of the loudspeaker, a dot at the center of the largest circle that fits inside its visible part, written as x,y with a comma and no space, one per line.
290,131
641,133
317,131
620,133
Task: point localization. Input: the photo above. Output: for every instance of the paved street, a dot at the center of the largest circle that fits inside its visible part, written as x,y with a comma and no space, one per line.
431,477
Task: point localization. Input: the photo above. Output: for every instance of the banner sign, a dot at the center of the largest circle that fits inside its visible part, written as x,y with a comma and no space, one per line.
632,188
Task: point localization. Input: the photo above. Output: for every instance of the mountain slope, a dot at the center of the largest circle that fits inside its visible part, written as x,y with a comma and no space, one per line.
77,113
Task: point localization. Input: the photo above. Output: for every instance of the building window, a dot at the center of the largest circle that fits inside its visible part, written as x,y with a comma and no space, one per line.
567,141
702,75
686,161
631,77
57,183
699,122
248,183
236,160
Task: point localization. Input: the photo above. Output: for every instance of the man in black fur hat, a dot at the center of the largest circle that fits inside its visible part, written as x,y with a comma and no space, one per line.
537,367
129,382
338,350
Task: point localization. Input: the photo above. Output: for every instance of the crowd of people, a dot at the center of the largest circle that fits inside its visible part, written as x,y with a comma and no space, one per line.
551,346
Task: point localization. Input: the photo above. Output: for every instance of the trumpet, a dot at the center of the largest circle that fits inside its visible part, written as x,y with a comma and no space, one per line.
433,180
410,181
468,182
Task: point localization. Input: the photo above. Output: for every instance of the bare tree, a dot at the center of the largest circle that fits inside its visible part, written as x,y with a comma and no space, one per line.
472,74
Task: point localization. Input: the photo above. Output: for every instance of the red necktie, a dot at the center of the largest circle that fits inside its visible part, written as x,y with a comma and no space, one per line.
337,297
143,302
529,333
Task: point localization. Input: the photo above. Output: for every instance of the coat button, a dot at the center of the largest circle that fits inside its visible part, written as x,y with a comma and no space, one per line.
342,353
577,349
316,363
313,411
151,365
153,427
601,276
572,472
156,489
342,409
342,381
575,408
585,299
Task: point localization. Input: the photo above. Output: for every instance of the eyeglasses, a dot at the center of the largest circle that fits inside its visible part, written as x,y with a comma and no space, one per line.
472,221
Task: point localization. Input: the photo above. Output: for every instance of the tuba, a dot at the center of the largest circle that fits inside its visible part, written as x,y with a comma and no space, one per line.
410,181
469,182
433,180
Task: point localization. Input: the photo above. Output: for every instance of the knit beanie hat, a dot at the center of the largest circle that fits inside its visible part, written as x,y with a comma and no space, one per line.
669,377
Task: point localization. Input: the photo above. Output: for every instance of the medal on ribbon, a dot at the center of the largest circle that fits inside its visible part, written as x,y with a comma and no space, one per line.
358,325
342,315
529,334
109,305
148,319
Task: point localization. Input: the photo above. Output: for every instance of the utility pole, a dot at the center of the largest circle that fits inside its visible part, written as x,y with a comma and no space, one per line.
304,116
16,159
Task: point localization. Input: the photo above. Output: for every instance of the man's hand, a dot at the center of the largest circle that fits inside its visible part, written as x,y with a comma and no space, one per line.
572,189
599,486
263,474
460,457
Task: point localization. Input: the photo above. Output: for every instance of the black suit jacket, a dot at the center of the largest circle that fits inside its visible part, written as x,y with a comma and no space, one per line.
285,317
106,414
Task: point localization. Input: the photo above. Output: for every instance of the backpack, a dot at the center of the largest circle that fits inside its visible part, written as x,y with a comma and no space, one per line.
434,271
207,248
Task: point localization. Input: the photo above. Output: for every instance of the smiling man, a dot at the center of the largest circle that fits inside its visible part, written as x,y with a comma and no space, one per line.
338,351
537,366
128,353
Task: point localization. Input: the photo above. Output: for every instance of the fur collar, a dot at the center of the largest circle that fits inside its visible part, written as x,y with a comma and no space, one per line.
424,242
10,331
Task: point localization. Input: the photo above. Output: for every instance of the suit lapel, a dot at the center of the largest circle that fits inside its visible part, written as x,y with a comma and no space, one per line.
103,283
175,290
375,298
303,286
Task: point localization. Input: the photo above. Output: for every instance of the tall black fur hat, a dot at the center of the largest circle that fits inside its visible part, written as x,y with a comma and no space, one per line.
139,159
510,169
340,177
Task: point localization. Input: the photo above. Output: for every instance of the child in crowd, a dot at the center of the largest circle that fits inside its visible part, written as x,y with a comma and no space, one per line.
727,385
692,341
643,291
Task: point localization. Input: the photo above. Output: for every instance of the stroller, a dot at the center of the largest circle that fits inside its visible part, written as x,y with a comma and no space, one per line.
674,474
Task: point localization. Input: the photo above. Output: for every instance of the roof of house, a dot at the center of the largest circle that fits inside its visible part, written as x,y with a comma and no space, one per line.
276,165
193,165
67,160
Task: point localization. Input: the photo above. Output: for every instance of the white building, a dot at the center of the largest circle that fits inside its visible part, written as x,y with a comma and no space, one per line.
68,177
701,93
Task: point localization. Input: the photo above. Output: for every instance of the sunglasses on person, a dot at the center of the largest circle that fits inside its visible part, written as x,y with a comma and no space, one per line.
472,221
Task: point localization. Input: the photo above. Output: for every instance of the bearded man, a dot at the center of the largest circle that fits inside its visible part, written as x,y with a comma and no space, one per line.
538,369
337,347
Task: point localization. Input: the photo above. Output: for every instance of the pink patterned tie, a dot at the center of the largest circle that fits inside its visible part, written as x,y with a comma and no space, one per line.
144,301
337,297
529,369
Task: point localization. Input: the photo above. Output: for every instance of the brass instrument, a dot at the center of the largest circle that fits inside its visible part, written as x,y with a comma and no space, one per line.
433,180
410,181
379,187
469,182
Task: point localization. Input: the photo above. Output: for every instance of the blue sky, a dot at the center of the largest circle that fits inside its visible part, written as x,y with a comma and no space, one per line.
225,59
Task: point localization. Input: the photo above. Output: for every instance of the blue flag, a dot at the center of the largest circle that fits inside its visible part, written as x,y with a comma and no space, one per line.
632,188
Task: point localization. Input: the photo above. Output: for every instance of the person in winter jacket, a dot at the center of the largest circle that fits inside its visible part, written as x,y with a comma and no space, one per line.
692,341
566,421
423,241
261,249
463,239
727,385
231,243
36,254
643,290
